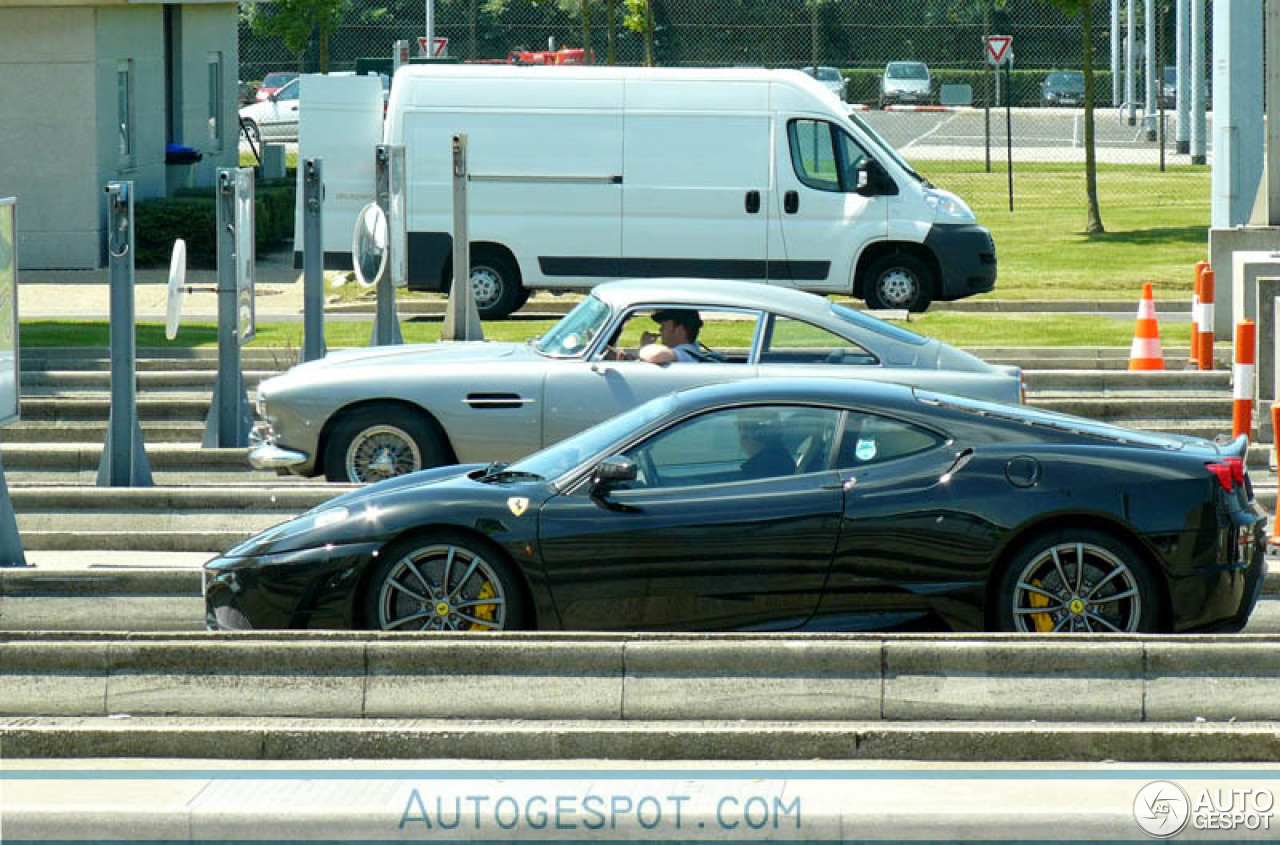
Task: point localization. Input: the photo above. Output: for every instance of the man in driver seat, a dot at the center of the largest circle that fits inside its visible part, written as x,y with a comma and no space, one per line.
677,338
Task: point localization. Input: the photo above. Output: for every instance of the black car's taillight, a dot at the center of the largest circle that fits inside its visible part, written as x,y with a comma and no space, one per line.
1229,472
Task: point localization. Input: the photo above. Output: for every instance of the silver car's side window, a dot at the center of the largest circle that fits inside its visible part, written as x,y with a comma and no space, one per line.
796,342
725,336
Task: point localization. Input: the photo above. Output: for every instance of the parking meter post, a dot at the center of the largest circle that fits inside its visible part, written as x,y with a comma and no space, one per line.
313,345
1149,59
124,458
229,420
1197,71
11,551
386,320
461,319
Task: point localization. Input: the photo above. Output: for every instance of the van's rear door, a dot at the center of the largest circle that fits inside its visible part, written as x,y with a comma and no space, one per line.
697,194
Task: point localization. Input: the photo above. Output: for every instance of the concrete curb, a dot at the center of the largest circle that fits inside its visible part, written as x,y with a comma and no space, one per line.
638,678
289,739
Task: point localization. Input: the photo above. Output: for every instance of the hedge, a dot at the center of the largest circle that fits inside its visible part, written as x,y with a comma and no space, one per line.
191,214
864,84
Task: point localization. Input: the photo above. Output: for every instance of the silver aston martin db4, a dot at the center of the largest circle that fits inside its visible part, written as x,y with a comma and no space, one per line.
368,414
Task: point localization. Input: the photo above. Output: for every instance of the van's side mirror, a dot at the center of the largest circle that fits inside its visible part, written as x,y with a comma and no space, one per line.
873,180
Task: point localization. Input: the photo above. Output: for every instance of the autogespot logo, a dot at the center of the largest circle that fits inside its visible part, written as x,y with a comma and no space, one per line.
1162,809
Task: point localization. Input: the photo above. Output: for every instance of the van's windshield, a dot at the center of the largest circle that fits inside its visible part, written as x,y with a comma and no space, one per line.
884,146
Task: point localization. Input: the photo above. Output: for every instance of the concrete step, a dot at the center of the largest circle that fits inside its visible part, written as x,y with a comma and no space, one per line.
58,382
173,407
1124,410
82,432
1086,380
172,464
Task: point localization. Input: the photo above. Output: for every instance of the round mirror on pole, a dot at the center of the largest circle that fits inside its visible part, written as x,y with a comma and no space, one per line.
369,245
177,287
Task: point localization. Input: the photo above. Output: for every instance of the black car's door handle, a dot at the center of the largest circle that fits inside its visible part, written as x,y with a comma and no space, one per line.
791,202
753,202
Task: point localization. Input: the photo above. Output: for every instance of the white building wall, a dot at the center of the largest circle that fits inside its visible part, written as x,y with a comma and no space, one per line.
209,29
48,114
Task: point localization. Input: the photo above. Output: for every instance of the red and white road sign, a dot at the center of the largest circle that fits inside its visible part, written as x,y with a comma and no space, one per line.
999,49
440,47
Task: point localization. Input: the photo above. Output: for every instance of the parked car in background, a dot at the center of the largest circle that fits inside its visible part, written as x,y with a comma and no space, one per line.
368,414
831,77
273,82
781,504
1062,88
1169,87
274,118
905,82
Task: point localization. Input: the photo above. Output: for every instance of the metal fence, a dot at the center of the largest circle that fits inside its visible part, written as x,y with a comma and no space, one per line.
859,37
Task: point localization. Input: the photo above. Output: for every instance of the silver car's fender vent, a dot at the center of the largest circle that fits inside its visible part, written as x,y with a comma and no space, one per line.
497,400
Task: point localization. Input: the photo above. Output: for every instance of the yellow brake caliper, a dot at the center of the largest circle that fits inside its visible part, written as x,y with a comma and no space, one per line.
487,612
1042,621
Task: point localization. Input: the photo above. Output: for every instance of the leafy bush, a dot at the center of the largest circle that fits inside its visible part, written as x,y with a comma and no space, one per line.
191,214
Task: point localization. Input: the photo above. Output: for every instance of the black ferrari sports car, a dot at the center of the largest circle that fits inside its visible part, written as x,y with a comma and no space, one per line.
776,505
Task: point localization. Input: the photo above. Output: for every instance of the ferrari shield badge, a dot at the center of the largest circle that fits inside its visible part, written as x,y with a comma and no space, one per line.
518,505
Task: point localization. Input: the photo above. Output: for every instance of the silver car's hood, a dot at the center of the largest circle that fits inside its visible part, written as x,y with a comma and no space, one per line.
463,353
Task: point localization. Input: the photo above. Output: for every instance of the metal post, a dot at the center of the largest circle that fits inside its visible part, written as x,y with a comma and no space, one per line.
1237,112
1197,70
1116,89
124,458
230,419
1272,94
1182,25
461,319
431,27
11,552
1149,55
1130,78
313,346
1008,124
388,167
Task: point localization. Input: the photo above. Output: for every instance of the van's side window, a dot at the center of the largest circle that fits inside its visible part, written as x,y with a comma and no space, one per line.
824,157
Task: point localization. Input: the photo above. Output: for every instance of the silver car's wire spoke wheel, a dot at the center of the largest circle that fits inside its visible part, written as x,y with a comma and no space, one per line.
382,451
461,591
1077,587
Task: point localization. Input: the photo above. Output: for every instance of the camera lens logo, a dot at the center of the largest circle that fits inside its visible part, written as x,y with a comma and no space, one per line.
1162,809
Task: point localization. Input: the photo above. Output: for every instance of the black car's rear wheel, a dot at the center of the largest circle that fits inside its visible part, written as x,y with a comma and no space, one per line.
379,442
443,582
1078,581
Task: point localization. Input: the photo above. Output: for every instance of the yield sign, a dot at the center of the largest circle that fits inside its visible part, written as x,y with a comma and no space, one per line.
998,49
440,46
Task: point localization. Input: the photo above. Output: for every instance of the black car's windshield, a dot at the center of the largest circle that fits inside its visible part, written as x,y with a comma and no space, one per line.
570,337
555,461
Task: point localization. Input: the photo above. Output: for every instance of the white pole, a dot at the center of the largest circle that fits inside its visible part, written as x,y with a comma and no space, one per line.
1130,65
1116,89
1149,42
431,27
1197,70
1182,132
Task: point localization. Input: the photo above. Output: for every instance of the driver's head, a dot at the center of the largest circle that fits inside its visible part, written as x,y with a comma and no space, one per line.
758,429
677,325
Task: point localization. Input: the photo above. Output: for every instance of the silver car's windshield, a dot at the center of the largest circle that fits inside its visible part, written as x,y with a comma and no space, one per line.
555,461
570,337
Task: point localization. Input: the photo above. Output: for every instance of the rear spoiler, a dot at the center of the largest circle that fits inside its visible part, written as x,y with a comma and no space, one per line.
1237,448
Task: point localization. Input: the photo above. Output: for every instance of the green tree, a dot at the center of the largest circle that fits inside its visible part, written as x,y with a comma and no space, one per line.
1084,8
639,18
301,25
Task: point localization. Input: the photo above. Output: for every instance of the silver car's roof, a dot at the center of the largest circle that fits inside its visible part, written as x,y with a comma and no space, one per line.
711,293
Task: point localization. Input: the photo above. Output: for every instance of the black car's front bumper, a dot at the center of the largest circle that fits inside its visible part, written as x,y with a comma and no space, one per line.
309,588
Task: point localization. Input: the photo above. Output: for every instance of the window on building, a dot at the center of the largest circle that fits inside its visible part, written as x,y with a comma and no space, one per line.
124,109
215,100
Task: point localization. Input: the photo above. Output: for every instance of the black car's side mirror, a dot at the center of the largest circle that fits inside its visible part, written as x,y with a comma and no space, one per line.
874,180
613,471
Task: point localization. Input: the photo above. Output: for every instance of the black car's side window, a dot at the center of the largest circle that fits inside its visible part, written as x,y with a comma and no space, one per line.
737,444
871,439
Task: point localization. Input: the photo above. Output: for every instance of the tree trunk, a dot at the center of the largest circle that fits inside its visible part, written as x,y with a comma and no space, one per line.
472,19
612,6
1094,223
586,32
323,36
648,33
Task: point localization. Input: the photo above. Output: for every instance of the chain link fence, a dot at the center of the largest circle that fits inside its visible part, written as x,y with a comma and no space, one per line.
963,148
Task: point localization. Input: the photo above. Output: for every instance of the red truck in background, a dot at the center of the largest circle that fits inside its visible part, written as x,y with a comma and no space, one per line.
566,56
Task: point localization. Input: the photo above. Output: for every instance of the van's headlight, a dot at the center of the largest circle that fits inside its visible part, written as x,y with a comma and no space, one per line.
948,206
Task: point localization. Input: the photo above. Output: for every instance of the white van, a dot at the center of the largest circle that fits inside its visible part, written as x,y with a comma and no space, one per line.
586,174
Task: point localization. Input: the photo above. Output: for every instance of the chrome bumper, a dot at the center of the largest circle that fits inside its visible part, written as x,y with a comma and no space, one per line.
265,454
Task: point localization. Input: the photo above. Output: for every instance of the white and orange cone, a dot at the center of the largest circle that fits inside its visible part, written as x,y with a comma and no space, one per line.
1246,355
1145,353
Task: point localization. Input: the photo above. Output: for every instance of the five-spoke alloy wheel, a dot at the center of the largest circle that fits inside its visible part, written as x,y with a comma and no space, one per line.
443,582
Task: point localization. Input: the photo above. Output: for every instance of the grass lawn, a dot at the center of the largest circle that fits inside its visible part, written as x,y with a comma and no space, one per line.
1157,227
958,329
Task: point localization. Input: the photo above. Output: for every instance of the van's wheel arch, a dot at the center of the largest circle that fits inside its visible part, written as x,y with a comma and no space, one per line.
495,281
898,279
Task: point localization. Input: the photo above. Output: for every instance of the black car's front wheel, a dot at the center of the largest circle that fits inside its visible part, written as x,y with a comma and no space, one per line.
1079,580
443,581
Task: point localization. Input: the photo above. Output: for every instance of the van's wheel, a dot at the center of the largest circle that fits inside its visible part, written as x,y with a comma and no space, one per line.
1077,580
899,280
495,284
380,442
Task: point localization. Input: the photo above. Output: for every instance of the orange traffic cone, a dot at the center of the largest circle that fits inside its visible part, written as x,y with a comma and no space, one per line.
1145,353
